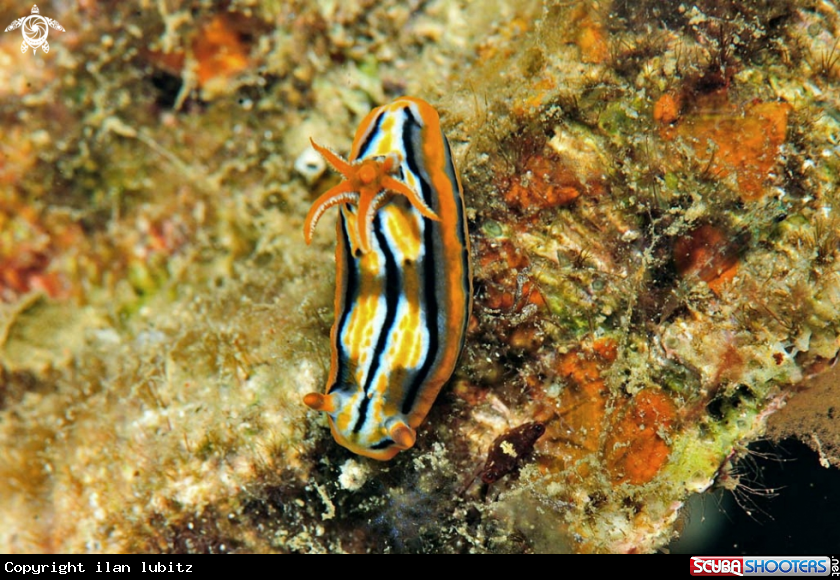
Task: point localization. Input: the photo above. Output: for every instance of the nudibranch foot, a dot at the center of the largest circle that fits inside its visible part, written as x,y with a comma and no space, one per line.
402,435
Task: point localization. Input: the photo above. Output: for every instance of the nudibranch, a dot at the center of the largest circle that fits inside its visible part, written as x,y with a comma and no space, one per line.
403,280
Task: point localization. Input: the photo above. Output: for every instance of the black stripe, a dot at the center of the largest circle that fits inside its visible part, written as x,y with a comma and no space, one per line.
459,205
370,136
351,289
411,137
362,415
411,133
384,444
393,291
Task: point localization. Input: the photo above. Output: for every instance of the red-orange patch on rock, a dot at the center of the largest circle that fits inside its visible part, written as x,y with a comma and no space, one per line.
588,428
636,447
666,110
728,139
218,48
543,181
708,254
500,263
574,424
30,243
591,36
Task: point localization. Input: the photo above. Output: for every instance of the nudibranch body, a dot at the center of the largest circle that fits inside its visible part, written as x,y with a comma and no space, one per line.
403,281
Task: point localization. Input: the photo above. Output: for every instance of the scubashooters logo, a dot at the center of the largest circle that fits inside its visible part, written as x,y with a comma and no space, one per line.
35,29
760,566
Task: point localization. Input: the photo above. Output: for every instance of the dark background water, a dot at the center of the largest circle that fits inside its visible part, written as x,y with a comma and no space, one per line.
802,516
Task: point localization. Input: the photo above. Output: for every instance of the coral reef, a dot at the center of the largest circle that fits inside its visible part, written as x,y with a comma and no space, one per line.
652,192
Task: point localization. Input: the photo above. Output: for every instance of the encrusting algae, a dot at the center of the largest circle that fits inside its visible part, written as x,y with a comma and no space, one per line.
651,190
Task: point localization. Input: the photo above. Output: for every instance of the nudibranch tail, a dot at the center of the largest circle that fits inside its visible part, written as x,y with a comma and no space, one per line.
403,436
403,278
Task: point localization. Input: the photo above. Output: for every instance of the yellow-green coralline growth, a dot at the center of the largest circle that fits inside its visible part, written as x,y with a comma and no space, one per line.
652,191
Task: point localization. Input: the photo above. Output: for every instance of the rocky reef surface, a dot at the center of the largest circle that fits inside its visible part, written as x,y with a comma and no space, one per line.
651,190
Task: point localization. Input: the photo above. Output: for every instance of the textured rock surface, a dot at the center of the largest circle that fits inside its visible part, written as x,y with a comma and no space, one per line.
652,196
